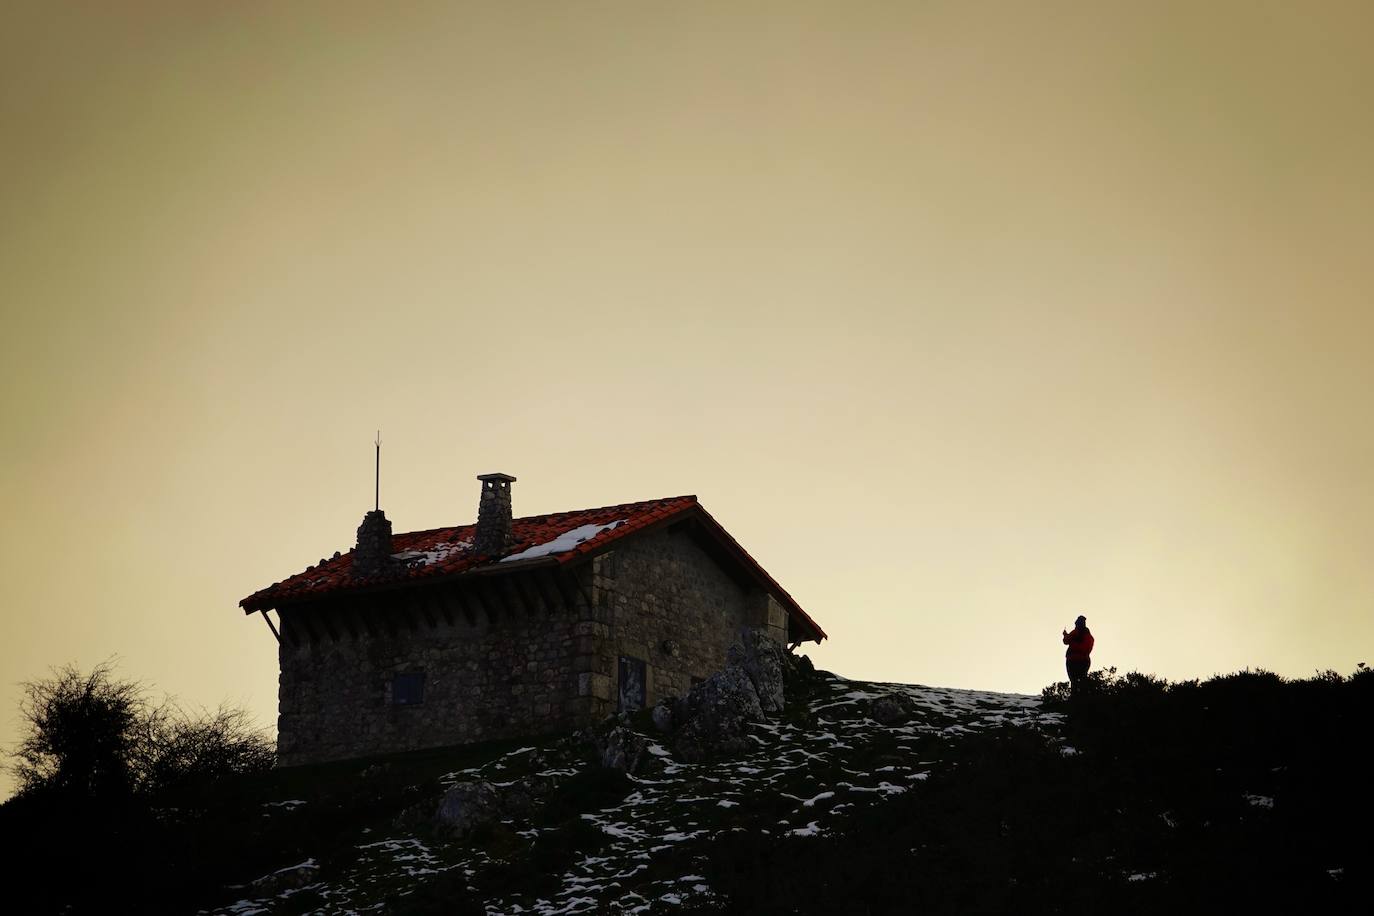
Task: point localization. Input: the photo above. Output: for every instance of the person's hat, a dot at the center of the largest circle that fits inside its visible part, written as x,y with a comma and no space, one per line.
1081,619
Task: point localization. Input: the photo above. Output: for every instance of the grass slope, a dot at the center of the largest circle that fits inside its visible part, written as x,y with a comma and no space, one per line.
1245,791
605,842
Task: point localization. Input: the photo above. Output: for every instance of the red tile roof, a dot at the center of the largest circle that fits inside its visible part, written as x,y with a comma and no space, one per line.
443,553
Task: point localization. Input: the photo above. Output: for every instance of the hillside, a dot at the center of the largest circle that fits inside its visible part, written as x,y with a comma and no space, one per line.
647,841
861,798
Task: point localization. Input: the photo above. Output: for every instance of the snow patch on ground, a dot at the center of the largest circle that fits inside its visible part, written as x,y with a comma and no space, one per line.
675,813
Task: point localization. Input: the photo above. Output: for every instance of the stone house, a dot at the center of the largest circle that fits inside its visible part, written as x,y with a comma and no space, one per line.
510,626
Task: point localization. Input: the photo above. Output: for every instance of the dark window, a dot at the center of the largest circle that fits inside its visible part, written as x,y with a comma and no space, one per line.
408,689
631,684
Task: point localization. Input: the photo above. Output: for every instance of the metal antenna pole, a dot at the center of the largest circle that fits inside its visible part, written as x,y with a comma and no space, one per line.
377,483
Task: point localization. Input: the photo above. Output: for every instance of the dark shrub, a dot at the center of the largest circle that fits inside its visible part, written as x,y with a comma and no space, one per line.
1242,793
177,751
80,734
122,799
90,736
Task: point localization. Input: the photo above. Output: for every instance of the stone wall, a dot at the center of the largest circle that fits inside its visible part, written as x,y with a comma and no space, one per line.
503,656
495,665
662,599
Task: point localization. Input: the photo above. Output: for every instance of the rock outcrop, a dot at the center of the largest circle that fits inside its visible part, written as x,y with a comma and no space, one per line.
765,662
282,879
467,806
800,679
713,719
892,709
715,715
622,749
665,714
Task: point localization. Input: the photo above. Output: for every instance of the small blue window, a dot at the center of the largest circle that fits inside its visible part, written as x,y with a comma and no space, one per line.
408,689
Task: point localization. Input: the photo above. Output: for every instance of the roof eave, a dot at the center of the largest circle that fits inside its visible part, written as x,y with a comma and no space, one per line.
794,609
694,510
489,569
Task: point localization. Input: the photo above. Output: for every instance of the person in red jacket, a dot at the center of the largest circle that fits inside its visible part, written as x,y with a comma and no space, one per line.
1077,658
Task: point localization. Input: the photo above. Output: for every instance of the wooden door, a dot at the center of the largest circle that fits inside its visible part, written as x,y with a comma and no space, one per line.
632,691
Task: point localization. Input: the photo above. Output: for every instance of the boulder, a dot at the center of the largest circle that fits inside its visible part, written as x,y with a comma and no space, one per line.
375,772
467,806
892,709
665,715
716,714
800,678
287,878
526,794
622,749
712,719
615,745
766,663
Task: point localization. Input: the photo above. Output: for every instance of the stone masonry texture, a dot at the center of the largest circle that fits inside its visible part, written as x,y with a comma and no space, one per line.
661,599
502,656
373,553
494,521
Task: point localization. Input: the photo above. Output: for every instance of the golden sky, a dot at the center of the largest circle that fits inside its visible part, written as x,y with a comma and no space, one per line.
964,318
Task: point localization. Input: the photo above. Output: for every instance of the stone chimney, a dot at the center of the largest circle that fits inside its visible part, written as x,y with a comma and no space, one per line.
493,515
373,553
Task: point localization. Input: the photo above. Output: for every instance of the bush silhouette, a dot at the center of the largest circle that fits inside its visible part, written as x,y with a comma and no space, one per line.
121,796
81,734
92,736
178,751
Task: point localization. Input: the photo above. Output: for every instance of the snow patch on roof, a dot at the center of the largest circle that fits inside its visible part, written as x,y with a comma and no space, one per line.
564,542
436,554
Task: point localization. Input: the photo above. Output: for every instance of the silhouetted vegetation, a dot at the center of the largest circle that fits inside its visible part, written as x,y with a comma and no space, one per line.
80,734
108,782
89,737
197,833
1244,792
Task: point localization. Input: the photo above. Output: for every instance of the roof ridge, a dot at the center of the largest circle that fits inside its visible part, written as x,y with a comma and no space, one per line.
641,502
526,518
430,530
